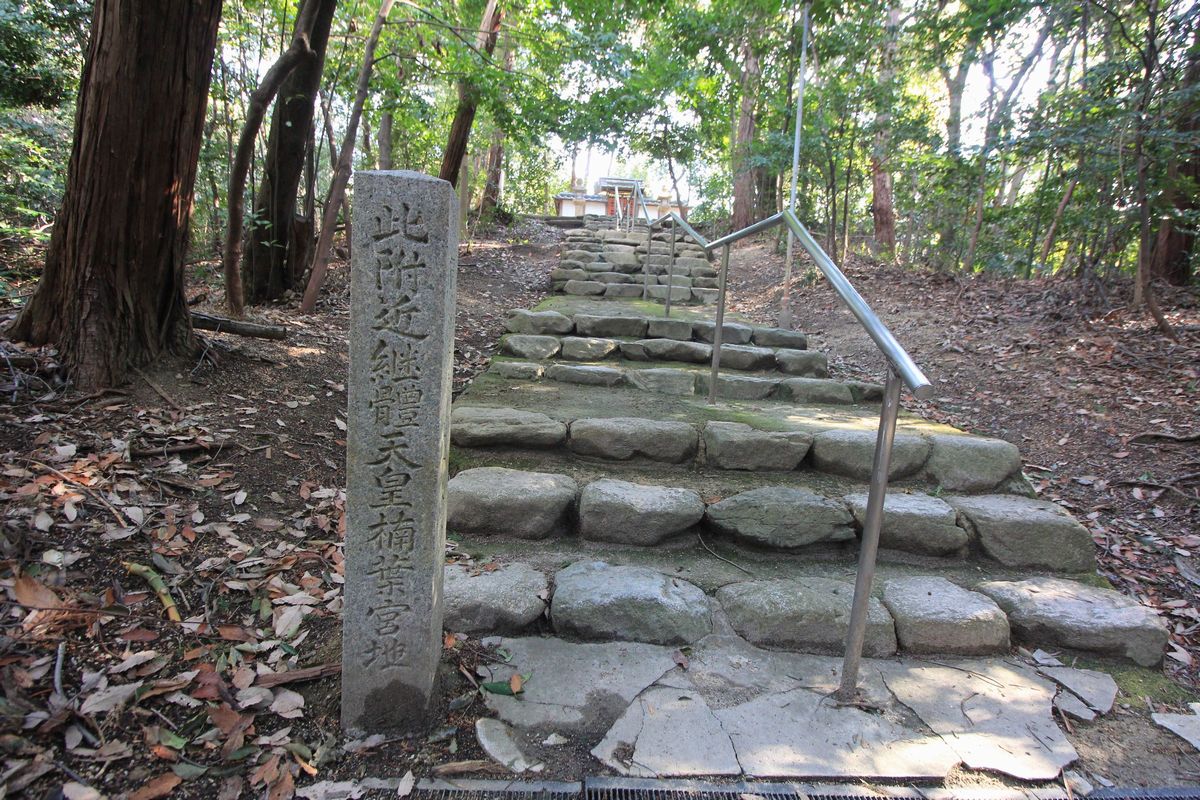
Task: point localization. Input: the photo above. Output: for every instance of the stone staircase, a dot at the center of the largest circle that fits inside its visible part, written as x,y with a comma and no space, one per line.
613,264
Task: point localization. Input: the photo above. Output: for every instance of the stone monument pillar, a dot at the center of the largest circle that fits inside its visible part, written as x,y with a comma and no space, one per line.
401,360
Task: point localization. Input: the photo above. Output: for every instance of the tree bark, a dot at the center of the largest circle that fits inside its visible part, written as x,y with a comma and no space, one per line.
743,174
883,209
1174,244
111,295
341,174
385,141
468,99
273,264
495,163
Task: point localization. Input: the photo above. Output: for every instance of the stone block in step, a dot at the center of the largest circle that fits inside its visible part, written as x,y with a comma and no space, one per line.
504,600
678,382
815,390
597,325
622,438
731,332
680,329
780,337
618,248
584,288
679,294
623,290
781,517
667,350
587,348
569,272
1023,532
481,426
962,463
538,322
852,452
495,500
705,283
619,236
582,256
622,259
517,370
1051,612
590,245
675,280
736,445
704,272
595,268
614,277
525,345
740,356
933,615
633,513
808,615
599,602
704,296
807,363
659,264
864,392
692,263
914,523
737,387
585,375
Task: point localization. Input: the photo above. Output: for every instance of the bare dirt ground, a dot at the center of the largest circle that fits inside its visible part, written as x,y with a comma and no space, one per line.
168,548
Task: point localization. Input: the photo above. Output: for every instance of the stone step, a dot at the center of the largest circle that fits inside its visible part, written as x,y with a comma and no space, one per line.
593,600
953,462
497,501
554,323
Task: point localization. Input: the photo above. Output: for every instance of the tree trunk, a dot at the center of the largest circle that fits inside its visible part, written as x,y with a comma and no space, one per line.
743,175
273,264
468,99
111,295
495,164
341,174
883,209
1174,243
385,141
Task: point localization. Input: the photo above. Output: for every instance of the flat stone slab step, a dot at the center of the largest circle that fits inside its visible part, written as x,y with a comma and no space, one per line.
836,450
729,708
554,323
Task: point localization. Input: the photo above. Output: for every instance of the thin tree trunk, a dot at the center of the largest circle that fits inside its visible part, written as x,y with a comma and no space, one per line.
743,175
385,141
111,295
341,175
1048,242
298,51
468,99
883,210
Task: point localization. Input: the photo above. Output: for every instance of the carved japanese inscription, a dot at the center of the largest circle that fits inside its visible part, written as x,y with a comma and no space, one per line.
405,254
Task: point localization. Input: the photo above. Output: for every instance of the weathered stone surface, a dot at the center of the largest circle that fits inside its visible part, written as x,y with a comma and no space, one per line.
495,500
1185,726
687,262
934,615
738,387
538,322
613,277
680,329
517,370
808,363
1057,613
529,346
782,517
646,741
1097,689
852,452
577,255
663,381
591,325
503,600
622,438
596,601
679,294
914,523
568,272
623,290
704,295
587,376
815,390
731,332
1022,532
621,259
632,513
478,426
500,743
635,351
744,357
706,271
584,287
675,350
808,615
598,268
704,283
779,337
579,687
1071,705
971,463
865,392
675,280
587,348
405,257
736,445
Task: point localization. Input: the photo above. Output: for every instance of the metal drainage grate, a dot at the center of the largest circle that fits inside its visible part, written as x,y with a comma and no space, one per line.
654,789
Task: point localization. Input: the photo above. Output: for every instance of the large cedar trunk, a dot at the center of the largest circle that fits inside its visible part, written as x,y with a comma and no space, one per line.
271,265
111,296
1174,244
743,175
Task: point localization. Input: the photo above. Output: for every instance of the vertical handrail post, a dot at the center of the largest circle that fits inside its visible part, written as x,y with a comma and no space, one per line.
869,547
785,302
671,269
718,330
646,263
